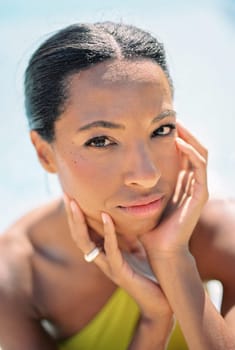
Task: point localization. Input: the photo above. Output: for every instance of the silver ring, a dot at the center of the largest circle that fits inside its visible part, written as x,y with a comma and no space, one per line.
89,257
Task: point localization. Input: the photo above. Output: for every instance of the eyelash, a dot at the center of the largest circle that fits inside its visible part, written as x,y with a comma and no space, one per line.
170,126
103,138
99,139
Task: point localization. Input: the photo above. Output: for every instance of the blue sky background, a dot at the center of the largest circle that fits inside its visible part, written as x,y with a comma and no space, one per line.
200,40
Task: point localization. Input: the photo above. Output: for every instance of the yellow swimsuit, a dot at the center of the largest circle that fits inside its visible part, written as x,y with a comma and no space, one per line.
113,328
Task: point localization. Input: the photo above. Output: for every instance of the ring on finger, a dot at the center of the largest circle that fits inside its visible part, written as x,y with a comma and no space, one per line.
89,257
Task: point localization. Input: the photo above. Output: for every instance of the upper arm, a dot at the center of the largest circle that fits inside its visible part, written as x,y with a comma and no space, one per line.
214,248
20,327
20,332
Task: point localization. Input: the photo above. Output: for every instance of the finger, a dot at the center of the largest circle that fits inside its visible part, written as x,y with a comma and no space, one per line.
183,187
79,229
111,248
80,234
72,216
191,139
189,185
180,186
197,160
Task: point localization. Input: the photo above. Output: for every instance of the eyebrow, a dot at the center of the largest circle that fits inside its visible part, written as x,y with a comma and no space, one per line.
110,125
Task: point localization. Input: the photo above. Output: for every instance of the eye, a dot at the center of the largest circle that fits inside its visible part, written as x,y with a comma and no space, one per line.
164,130
99,142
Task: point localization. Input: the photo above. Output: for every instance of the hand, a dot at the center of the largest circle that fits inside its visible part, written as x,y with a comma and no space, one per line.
173,233
148,295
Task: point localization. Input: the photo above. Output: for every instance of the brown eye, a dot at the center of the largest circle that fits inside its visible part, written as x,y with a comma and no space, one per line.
99,142
164,130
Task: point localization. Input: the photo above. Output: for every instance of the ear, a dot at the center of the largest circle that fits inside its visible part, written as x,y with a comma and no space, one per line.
44,151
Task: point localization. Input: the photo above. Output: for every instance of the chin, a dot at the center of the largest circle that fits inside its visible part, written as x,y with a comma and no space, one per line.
136,228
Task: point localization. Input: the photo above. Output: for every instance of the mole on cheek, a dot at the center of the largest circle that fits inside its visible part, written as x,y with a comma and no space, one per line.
76,158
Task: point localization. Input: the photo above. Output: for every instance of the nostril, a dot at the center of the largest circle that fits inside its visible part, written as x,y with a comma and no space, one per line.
143,179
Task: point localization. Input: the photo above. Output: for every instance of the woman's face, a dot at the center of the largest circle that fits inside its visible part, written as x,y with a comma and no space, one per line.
115,144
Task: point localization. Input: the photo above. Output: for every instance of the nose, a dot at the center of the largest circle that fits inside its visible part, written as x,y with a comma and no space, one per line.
141,170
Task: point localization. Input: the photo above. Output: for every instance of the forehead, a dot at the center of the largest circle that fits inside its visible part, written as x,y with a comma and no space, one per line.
120,85
120,91
111,72
119,72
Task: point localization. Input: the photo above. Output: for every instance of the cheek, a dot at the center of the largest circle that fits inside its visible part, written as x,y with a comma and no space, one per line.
86,178
91,171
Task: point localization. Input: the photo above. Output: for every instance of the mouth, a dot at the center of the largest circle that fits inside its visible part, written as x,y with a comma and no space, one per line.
143,207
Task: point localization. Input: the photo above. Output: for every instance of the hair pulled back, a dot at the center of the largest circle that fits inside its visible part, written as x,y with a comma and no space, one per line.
72,49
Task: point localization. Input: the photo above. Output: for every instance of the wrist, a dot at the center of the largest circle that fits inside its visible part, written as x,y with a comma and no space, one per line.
158,321
176,255
161,327
178,263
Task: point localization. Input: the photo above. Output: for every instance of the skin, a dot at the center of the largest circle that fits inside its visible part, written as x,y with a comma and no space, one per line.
128,170
182,239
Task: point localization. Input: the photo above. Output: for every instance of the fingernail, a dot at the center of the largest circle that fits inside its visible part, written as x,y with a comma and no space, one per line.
179,140
104,218
73,206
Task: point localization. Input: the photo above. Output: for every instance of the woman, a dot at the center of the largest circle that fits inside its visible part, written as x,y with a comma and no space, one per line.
127,249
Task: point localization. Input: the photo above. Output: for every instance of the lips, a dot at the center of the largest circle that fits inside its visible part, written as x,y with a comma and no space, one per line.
143,207
142,201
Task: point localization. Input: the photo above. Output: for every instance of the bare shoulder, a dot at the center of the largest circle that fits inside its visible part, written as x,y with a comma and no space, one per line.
213,242
17,251
18,311
19,243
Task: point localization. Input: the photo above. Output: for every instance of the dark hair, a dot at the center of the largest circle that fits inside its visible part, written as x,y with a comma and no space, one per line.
72,49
